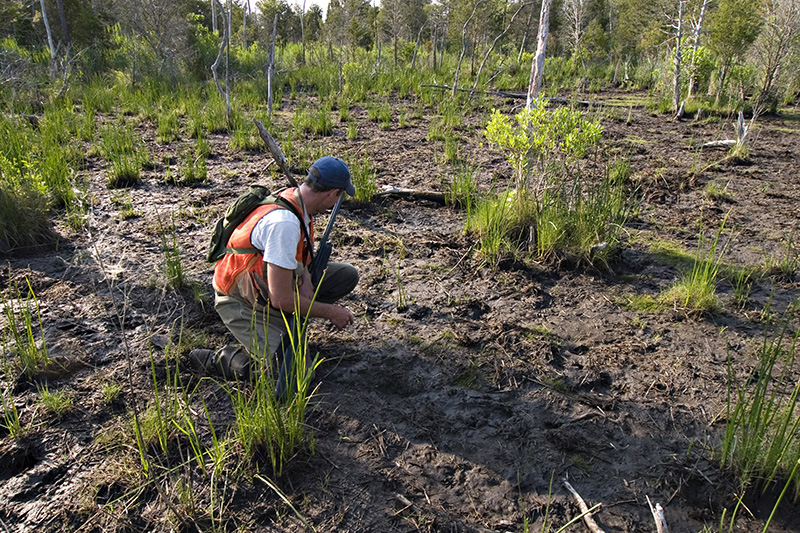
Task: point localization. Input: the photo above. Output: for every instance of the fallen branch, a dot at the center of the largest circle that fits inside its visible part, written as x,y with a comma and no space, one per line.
717,144
741,134
503,94
658,516
587,517
431,196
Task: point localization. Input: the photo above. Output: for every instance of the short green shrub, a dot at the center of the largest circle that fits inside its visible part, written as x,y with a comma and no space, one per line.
538,141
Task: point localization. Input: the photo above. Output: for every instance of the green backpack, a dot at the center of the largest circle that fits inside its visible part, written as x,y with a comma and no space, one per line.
236,213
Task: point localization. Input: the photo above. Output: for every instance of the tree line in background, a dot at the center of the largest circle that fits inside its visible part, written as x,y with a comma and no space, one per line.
728,51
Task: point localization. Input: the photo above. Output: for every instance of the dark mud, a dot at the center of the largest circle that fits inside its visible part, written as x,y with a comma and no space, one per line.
465,410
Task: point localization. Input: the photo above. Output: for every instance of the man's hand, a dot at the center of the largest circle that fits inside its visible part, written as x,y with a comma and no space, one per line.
282,296
340,317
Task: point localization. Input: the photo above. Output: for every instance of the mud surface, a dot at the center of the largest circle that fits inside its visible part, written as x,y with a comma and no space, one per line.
466,410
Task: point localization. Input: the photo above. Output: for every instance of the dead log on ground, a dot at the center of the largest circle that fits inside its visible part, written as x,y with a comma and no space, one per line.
398,192
503,94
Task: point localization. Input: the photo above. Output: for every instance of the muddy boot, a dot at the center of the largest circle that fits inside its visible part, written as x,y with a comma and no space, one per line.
231,362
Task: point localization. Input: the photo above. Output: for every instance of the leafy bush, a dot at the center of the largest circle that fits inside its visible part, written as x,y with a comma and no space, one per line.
551,206
538,140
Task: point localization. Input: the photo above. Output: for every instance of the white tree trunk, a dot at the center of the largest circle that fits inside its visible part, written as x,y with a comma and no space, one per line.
416,46
464,45
537,65
676,80
223,45
49,39
244,25
213,16
271,67
302,32
698,28
228,25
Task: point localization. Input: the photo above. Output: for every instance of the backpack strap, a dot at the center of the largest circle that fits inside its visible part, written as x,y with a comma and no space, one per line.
283,202
286,204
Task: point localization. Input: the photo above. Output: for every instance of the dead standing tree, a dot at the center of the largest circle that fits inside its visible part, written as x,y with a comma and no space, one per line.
223,46
464,45
697,28
496,39
676,23
62,16
50,42
271,66
537,65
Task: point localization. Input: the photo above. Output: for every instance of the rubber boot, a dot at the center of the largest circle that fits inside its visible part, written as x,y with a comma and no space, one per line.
230,362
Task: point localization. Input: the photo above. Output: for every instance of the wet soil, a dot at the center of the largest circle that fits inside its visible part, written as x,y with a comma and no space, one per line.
465,409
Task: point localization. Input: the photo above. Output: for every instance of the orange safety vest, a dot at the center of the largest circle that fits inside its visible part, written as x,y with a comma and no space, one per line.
233,274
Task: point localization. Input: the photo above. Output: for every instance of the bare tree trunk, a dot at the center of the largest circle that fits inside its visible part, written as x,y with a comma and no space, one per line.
464,45
244,25
695,45
228,25
722,79
416,45
50,42
494,43
537,65
524,36
676,80
214,16
62,15
433,39
223,45
302,33
271,67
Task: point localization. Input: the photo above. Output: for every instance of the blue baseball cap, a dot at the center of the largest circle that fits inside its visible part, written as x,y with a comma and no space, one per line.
332,172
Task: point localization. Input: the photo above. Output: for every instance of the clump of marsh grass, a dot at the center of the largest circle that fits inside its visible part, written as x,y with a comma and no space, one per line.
123,153
58,402
581,221
270,424
317,122
696,292
762,432
171,251
22,335
365,179
463,190
25,199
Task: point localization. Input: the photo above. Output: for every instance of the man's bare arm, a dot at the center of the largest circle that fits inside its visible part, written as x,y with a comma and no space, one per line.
282,296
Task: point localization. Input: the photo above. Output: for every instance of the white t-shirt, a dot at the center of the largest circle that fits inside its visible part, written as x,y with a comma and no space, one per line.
278,233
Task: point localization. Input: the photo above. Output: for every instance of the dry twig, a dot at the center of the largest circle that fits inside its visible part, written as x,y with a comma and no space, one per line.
658,516
587,517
